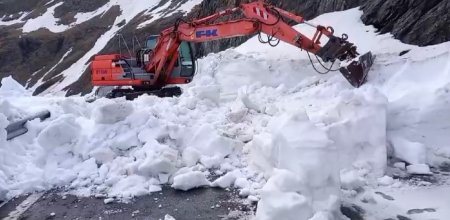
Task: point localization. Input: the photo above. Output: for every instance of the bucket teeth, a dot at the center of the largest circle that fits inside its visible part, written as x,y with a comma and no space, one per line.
356,72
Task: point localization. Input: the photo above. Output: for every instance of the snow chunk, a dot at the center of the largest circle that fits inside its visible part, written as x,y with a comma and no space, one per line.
209,143
226,180
385,181
130,186
153,167
262,152
411,152
112,112
103,155
418,169
191,156
190,180
169,217
211,93
63,131
125,141
283,205
9,86
357,125
350,179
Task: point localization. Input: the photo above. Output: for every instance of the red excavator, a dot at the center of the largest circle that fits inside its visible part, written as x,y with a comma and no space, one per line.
168,59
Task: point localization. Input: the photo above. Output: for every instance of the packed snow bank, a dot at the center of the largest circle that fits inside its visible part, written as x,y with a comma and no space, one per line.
3,187
304,186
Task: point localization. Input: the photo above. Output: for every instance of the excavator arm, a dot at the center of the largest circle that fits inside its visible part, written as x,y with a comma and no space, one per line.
259,17
162,63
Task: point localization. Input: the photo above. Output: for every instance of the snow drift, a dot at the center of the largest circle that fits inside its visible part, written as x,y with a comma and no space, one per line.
258,117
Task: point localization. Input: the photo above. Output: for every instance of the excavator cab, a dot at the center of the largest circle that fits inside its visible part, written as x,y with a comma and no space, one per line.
185,65
121,70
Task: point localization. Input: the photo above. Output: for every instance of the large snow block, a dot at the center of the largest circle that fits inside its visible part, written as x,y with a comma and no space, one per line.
263,154
357,125
306,150
310,179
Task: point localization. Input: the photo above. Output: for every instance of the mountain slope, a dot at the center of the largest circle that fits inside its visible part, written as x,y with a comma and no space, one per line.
264,121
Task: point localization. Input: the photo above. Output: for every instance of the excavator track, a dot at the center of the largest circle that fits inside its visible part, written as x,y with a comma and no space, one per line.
131,94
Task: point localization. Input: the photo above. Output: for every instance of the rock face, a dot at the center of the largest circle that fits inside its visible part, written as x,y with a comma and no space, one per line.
412,21
33,57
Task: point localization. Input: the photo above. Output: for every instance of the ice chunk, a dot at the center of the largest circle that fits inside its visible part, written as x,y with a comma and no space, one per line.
190,180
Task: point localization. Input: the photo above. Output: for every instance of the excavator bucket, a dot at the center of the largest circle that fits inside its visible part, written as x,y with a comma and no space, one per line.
356,72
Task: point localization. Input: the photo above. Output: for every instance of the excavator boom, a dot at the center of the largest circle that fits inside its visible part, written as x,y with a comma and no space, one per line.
160,61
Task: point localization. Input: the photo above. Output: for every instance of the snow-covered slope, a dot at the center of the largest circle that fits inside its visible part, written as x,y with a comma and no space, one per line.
130,11
261,119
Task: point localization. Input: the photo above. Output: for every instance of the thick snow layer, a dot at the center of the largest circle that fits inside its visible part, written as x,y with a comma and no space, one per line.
259,118
3,187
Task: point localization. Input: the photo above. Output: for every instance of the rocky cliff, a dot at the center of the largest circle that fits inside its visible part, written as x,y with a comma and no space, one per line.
38,58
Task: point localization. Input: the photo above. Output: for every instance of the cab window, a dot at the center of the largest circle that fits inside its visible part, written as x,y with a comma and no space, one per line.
186,59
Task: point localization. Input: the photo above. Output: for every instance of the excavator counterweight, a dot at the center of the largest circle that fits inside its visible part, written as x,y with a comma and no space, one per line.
168,58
